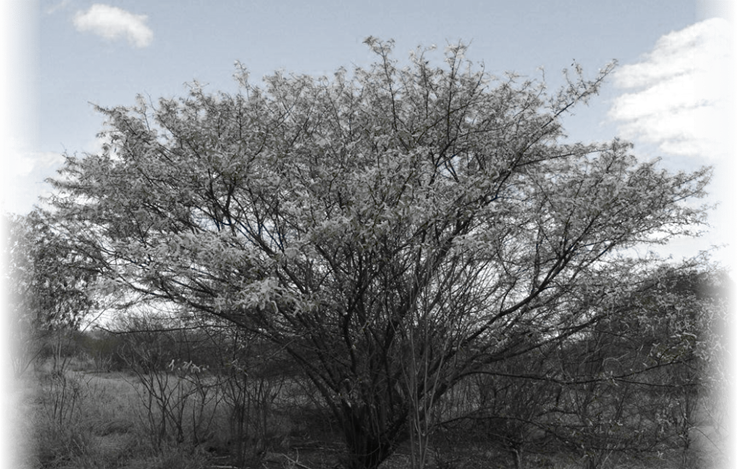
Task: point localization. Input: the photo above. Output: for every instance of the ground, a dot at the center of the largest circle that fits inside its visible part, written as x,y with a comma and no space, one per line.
82,418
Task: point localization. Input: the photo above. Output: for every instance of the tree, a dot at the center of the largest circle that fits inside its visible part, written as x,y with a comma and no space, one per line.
641,380
50,283
432,212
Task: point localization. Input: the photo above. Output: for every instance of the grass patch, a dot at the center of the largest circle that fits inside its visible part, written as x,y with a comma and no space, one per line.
81,420
99,420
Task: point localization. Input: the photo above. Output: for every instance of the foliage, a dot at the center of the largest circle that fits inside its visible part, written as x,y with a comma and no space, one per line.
427,214
50,282
638,383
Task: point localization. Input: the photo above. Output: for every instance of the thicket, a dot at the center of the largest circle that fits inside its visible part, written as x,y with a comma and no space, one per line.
637,390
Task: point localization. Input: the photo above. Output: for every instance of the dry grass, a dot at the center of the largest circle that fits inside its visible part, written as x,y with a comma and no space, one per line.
84,420
104,426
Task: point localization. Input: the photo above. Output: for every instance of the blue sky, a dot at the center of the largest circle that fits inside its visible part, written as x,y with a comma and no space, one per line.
666,95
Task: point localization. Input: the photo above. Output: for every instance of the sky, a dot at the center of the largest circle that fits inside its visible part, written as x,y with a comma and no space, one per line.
670,93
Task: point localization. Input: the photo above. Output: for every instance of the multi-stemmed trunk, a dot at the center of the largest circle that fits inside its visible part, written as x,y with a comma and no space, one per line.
367,444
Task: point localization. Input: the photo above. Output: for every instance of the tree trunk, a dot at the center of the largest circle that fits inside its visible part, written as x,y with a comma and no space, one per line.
368,446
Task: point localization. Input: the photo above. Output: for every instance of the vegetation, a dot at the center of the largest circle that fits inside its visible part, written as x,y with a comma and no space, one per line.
203,398
50,285
411,260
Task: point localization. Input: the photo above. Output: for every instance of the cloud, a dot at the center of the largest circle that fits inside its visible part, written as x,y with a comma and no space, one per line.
50,10
23,165
113,23
24,174
678,96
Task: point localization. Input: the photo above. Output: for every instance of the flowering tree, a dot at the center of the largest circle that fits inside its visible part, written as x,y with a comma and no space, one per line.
430,213
50,284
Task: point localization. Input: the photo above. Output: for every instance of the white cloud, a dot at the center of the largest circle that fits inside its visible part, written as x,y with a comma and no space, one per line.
113,23
678,96
24,174
20,162
50,10
59,6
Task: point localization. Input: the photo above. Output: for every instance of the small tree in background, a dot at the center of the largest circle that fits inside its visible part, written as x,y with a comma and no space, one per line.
642,380
50,287
426,215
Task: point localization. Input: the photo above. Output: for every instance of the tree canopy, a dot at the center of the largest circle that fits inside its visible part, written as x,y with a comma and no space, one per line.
392,214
